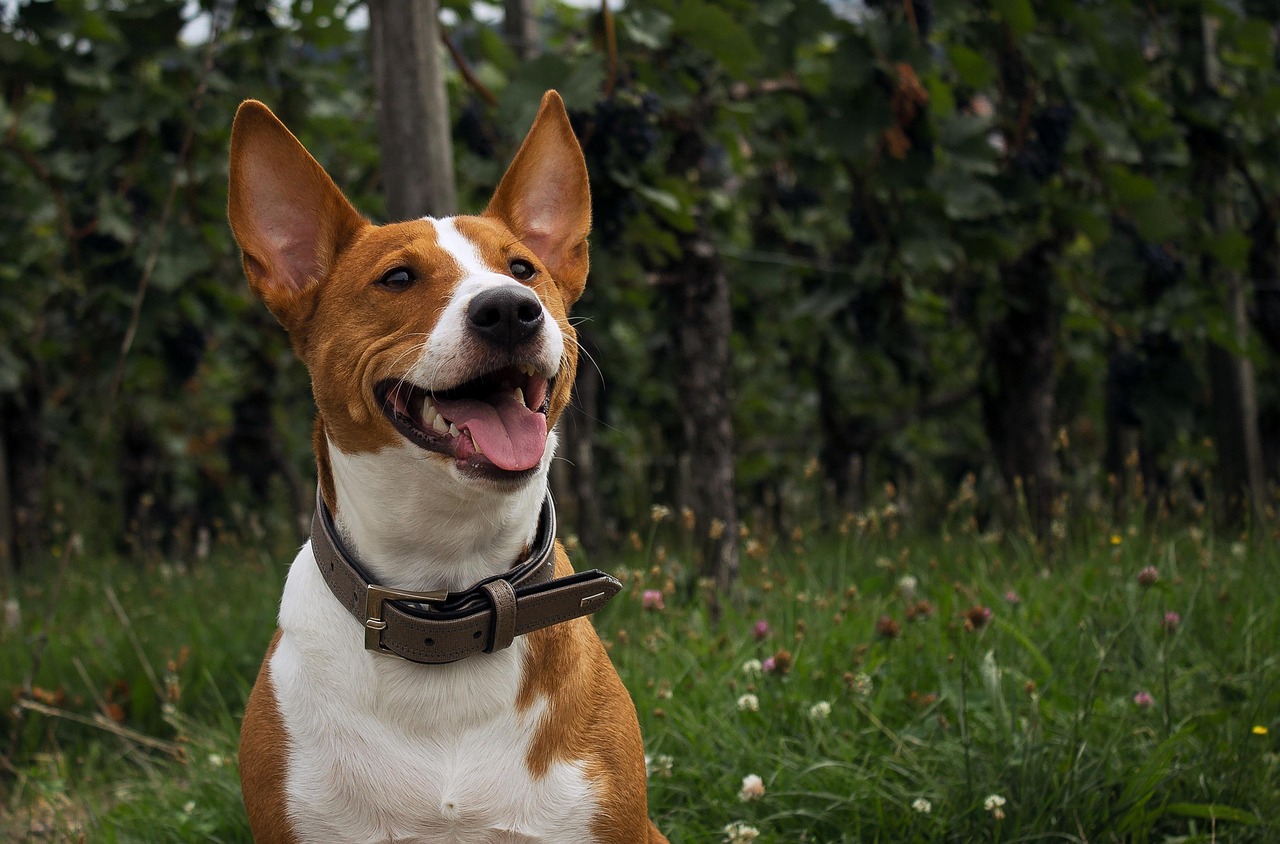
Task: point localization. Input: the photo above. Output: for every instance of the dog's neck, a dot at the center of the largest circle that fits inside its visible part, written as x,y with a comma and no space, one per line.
413,525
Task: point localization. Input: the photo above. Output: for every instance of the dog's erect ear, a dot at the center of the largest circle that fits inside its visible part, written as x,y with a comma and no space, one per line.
288,216
545,200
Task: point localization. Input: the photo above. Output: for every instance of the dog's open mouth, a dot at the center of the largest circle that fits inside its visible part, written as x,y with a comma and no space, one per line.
497,420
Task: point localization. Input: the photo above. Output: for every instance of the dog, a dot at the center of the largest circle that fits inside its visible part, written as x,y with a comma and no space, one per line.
434,676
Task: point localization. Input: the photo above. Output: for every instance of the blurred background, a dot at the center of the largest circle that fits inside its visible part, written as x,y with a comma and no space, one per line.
846,256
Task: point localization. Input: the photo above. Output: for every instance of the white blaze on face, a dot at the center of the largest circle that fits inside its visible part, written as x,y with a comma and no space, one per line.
443,363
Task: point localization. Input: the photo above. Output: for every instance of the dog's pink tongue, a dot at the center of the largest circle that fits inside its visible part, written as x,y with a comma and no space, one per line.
511,435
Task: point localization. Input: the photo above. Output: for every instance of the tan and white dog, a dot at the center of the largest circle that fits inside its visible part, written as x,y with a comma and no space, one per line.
441,355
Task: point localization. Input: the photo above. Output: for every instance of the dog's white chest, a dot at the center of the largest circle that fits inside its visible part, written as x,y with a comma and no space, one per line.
383,750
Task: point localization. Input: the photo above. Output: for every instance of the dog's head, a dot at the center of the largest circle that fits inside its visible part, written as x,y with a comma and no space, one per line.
449,334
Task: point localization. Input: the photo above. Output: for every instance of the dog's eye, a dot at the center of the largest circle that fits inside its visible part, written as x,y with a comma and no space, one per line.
522,269
401,278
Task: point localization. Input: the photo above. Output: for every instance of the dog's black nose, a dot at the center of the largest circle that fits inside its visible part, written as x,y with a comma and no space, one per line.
505,316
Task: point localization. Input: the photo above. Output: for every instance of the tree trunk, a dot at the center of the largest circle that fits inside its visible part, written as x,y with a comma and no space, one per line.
413,112
573,476
1232,379
1264,269
520,28
1018,398
703,323
845,441
25,456
253,449
7,567
1235,426
1233,386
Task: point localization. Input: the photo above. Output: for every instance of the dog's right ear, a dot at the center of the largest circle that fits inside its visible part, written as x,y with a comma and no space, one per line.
288,216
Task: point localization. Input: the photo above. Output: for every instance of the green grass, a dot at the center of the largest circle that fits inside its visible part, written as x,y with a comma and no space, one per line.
1036,705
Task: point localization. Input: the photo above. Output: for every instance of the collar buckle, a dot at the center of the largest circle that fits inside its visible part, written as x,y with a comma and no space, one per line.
374,598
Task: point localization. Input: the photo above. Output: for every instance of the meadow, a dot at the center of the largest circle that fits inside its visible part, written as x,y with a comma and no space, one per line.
867,682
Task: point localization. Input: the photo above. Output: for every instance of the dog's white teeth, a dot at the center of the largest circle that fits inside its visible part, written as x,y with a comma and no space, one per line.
519,395
453,430
429,413
476,443
439,425
526,368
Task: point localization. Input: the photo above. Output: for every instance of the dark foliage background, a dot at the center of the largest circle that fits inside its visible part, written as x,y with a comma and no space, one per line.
1025,249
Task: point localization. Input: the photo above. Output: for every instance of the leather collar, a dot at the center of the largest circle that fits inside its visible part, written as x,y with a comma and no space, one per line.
439,627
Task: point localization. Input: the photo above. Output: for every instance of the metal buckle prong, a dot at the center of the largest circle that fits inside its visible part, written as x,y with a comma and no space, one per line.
374,623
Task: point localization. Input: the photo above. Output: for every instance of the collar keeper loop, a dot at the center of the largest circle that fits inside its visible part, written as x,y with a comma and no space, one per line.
503,597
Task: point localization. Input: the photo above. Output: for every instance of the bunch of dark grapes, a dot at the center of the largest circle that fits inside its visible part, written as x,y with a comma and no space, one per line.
1163,269
1041,155
922,10
475,130
924,16
618,135
1122,383
796,197
630,122
184,347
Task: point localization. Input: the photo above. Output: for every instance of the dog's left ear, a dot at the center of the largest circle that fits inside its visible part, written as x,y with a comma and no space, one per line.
545,200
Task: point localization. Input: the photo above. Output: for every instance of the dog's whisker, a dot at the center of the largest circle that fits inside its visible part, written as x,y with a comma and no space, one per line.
582,350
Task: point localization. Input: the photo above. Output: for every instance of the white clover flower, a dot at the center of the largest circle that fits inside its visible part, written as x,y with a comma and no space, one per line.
660,765
820,711
748,703
922,806
907,586
752,788
188,807
862,685
993,802
740,833
12,615
752,668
